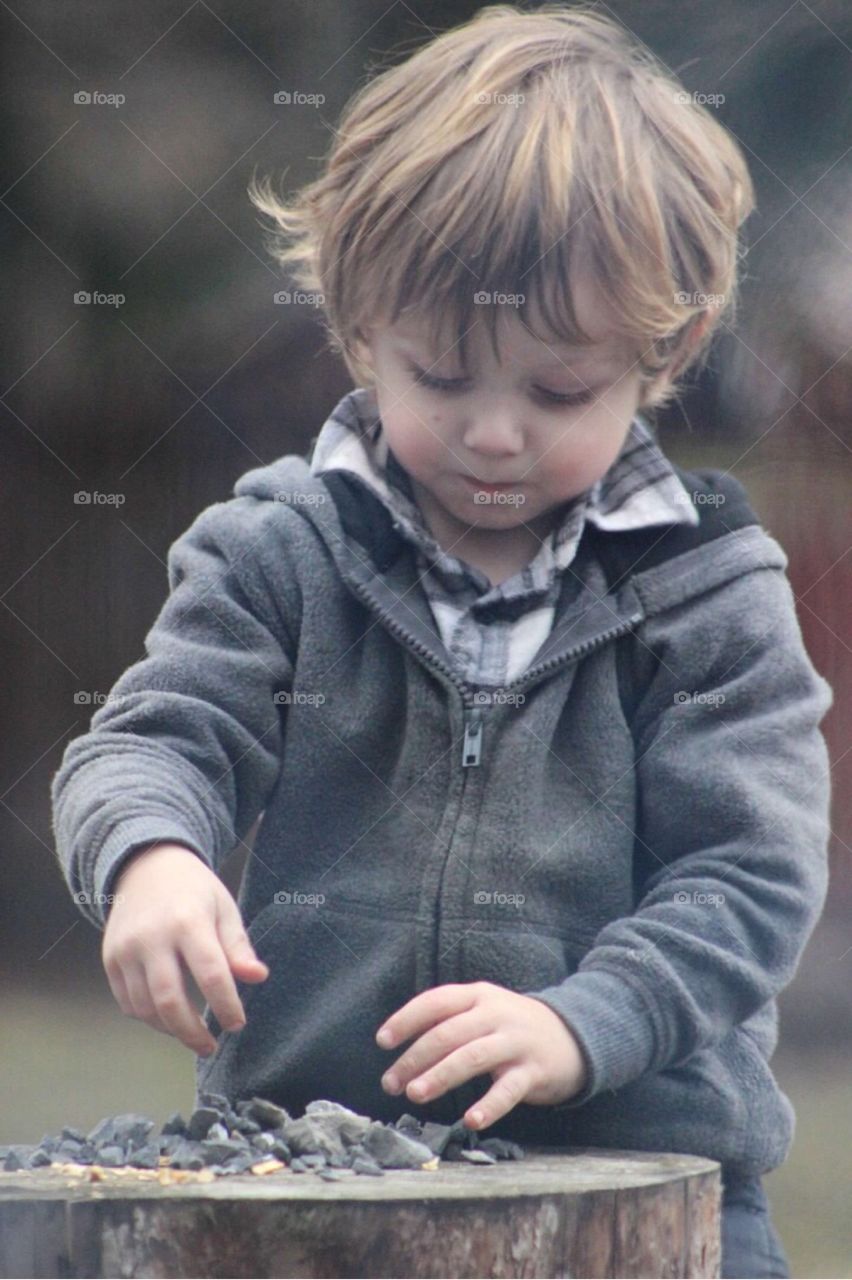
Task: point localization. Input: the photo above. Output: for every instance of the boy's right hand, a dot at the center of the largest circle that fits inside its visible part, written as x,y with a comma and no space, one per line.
171,909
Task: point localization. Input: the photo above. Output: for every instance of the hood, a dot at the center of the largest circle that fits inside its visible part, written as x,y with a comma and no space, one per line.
646,571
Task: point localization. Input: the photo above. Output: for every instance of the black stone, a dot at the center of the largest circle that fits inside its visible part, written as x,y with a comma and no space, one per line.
121,1130
363,1164
265,1113
111,1156
409,1123
73,1151
219,1151
215,1100
246,1126
314,1160
73,1135
174,1125
477,1156
239,1163
147,1157
187,1157
393,1149
308,1136
452,1151
502,1148
201,1120
436,1136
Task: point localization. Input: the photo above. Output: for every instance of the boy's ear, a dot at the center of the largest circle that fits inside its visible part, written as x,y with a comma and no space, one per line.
679,363
362,350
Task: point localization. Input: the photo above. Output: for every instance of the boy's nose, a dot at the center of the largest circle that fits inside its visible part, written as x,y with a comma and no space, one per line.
493,438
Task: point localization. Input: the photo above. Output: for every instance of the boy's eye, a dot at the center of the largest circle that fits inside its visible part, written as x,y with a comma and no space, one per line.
459,384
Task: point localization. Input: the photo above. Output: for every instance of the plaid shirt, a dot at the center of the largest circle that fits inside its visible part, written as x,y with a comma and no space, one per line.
493,632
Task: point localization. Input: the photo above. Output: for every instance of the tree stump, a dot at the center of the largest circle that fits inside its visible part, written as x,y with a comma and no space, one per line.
572,1211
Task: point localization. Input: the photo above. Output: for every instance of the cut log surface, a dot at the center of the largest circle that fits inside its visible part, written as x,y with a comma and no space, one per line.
571,1212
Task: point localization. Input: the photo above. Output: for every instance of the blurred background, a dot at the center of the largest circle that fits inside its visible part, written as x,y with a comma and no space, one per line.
184,373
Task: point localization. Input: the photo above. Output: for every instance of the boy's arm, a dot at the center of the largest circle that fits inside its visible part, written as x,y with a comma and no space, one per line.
733,810
187,746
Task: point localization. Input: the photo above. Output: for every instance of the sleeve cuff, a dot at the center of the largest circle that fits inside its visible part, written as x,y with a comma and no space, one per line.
614,1027
118,846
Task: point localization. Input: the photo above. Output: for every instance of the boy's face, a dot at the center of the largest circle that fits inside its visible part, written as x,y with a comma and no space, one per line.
501,423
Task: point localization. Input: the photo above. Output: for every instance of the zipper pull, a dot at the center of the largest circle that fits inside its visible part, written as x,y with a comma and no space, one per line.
472,745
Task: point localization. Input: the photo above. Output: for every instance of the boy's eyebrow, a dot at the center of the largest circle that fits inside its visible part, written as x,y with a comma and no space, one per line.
608,361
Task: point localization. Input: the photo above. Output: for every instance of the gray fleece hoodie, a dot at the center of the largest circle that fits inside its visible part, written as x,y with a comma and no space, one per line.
634,831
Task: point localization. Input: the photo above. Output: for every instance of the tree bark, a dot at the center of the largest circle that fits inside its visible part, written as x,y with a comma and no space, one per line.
559,1212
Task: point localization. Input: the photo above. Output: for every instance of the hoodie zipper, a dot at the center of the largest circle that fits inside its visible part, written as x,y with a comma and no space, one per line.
473,719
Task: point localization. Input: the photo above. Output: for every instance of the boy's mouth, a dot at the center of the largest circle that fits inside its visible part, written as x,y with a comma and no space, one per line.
488,484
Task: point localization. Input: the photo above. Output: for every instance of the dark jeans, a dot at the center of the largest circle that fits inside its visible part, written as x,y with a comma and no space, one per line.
751,1247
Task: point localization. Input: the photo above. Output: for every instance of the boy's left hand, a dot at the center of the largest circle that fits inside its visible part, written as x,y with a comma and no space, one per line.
476,1027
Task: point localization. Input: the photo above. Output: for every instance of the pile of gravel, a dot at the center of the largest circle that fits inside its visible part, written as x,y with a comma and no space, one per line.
329,1139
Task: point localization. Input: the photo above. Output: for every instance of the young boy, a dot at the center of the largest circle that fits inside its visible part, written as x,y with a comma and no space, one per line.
526,707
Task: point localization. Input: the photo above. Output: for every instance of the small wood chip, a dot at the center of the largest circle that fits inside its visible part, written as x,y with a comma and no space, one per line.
102,1173
267,1166
431,1165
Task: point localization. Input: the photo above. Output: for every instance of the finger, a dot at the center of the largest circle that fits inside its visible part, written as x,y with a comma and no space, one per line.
141,1005
236,943
506,1092
173,1006
473,1059
433,1046
119,989
425,1009
208,964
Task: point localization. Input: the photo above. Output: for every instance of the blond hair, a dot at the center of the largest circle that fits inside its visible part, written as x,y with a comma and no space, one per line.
495,157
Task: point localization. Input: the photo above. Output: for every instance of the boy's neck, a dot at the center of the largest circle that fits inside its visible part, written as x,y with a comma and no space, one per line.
498,553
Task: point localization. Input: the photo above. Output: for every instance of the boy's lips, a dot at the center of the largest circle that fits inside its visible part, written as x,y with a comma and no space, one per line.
492,484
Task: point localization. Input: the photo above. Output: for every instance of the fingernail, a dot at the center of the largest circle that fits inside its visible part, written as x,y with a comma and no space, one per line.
384,1038
391,1082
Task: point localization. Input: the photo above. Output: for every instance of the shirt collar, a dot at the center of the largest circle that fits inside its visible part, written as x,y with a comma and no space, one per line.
640,488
